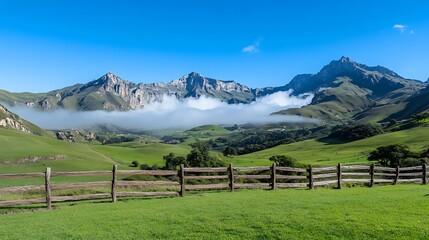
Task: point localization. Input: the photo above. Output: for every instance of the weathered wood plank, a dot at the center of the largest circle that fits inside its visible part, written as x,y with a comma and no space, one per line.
325,175
146,194
357,180
383,180
339,176
410,174
273,176
22,175
290,177
48,187
231,177
410,180
356,174
424,173
206,170
114,180
80,185
252,185
310,178
182,180
325,182
290,169
147,183
147,172
371,172
248,169
208,177
396,175
82,173
386,169
207,186
22,202
81,197
385,174
416,168
356,167
324,169
291,185
252,177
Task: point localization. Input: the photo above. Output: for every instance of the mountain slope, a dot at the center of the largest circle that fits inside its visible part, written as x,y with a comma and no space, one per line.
13,121
345,88
110,92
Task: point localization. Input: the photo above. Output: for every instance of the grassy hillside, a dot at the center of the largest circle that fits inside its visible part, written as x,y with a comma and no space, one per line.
335,103
324,153
16,147
383,212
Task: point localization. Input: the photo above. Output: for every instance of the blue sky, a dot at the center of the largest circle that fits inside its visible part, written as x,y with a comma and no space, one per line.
45,45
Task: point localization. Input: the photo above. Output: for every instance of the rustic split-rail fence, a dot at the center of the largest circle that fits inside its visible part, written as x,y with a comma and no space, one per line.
231,178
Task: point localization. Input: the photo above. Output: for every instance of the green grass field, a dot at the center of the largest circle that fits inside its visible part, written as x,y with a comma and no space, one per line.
322,153
382,212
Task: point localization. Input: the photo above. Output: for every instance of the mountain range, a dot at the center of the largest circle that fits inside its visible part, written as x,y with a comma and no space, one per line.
343,89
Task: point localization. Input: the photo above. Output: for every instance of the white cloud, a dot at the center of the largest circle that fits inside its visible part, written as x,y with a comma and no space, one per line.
174,113
400,27
403,28
253,48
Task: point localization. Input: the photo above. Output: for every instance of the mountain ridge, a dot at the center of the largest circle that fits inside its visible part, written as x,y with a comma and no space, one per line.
342,88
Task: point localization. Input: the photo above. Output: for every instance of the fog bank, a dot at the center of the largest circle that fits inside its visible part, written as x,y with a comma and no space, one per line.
174,113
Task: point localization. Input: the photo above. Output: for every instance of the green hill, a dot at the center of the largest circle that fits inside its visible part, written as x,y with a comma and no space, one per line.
324,153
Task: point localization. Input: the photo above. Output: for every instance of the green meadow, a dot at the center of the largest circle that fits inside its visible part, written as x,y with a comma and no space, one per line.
381,212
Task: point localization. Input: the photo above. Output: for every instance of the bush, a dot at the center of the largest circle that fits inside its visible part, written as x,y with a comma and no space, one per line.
356,132
134,164
284,161
229,151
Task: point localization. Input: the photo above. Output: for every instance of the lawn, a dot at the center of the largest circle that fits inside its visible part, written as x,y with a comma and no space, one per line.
381,212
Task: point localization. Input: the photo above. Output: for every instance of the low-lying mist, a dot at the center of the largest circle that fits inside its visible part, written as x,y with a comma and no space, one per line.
174,113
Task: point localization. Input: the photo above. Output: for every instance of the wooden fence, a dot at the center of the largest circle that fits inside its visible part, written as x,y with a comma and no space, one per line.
230,178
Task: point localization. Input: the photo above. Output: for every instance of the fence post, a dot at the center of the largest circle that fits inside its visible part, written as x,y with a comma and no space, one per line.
396,175
48,187
115,168
371,172
310,178
182,180
339,175
273,177
231,177
424,181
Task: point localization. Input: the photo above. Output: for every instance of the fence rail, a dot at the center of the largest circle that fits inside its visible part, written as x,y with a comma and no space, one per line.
189,179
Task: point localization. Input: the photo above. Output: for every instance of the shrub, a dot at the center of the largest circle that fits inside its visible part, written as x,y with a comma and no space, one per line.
134,164
283,160
356,132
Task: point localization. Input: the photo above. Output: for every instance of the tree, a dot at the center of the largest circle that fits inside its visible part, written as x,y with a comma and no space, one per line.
283,160
172,161
229,151
200,156
393,155
356,132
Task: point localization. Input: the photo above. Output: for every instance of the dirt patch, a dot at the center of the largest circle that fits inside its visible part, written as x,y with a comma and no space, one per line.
34,159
